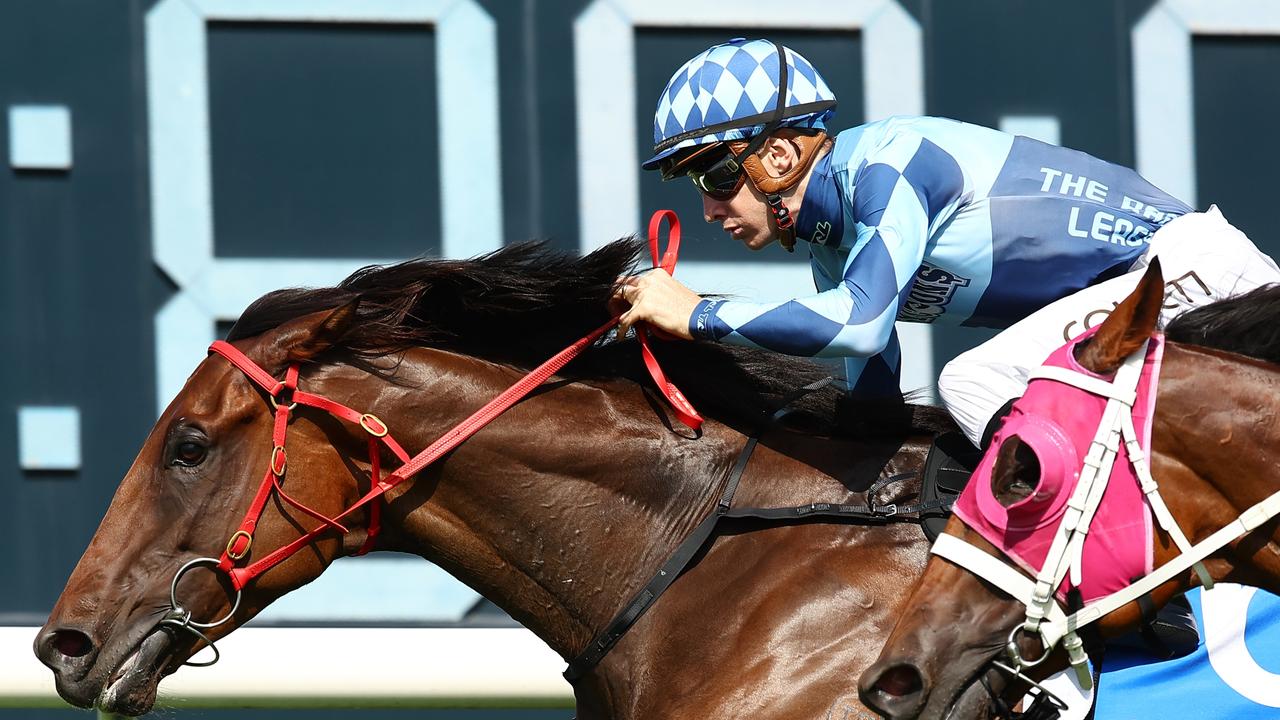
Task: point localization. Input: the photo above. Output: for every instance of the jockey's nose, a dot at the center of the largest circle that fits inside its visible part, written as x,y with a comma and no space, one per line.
713,210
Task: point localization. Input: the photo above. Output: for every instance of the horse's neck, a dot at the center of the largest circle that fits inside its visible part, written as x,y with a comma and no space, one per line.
1215,440
566,504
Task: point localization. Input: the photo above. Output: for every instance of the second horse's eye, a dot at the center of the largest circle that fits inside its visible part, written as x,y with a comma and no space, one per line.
188,453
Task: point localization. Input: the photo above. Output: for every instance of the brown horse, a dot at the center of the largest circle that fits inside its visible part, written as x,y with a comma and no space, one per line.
1214,448
558,511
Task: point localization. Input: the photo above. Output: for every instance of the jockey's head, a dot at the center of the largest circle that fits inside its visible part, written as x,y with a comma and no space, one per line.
746,128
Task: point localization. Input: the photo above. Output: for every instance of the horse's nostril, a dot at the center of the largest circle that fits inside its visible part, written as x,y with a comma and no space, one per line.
71,643
899,681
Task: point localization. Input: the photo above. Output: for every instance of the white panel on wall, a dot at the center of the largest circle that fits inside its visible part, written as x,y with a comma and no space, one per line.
1044,128
212,288
40,137
1163,112
48,438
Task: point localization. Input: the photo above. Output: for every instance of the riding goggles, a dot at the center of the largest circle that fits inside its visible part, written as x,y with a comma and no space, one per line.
722,179
719,180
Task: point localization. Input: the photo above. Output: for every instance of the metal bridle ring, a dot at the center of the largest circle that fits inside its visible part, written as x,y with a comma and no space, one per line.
274,392
1035,689
1015,654
176,608
275,404
180,618
217,655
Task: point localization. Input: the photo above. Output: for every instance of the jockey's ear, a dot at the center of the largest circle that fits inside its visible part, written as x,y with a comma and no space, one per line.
308,336
1128,327
779,155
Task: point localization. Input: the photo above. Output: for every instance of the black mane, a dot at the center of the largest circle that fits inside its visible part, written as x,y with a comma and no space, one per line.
523,303
1247,324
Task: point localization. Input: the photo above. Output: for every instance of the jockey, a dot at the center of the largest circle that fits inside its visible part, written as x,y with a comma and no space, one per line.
915,219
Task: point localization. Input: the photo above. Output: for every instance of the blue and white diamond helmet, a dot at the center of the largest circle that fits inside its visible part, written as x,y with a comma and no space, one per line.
730,92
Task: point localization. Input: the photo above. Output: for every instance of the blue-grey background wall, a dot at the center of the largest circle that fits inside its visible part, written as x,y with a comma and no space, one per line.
323,143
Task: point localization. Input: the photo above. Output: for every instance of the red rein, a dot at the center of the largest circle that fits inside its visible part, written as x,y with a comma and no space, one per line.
285,396
681,406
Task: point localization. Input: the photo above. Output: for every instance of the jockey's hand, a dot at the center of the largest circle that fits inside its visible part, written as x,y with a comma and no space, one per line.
654,297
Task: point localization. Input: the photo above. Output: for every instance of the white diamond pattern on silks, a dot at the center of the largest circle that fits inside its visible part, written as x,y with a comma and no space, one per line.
761,89
799,86
672,128
741,64
770,64
715,114
660,117
678,82
745,107
703,101
708,75
731,82
728,89
801,68
760,51
821,90
682,106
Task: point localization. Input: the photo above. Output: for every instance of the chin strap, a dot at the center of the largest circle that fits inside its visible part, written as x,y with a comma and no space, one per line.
783,224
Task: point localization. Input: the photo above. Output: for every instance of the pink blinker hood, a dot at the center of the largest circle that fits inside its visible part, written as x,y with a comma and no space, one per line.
1058,422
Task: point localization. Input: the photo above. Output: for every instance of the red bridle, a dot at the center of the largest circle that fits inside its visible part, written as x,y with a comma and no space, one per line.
285,396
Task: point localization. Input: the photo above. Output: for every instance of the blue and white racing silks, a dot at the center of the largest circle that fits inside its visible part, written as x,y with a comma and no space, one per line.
923,219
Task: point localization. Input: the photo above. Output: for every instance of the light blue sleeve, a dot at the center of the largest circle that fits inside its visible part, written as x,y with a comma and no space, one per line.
878,375
905,186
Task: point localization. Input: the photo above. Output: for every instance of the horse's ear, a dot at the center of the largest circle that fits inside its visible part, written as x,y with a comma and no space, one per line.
1128,327
310,335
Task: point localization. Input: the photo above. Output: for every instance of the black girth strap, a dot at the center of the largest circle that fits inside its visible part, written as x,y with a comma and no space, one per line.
671,569
679,560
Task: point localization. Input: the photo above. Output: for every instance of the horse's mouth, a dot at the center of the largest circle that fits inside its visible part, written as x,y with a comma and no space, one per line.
969,700
973,703
131,689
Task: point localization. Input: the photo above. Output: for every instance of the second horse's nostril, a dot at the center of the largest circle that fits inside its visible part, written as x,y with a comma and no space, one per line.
72,643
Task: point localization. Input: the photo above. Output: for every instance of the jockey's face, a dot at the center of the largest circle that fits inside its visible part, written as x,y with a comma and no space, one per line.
745,215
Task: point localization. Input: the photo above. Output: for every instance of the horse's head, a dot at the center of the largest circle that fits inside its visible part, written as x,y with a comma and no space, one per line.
939,656
184,496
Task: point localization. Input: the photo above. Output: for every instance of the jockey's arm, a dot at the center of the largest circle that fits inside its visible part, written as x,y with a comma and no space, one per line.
854,316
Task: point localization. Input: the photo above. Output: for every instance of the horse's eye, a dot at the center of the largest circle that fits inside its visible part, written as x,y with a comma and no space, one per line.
189,453
1016,474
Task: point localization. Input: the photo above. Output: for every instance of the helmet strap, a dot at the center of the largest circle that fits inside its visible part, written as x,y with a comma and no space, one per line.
772,187
784,224
807,146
